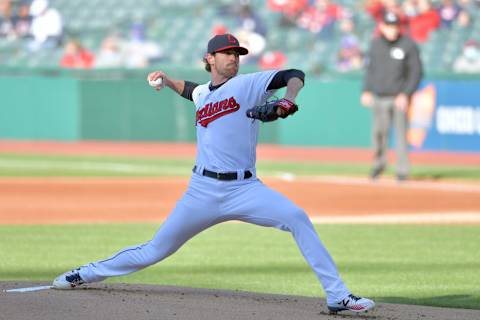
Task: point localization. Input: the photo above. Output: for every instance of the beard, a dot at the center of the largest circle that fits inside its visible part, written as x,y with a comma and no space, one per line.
230,70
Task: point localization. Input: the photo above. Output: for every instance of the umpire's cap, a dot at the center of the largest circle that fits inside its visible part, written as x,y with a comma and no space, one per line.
391,18
223,42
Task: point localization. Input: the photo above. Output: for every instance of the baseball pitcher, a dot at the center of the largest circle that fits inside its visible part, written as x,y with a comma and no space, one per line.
224,185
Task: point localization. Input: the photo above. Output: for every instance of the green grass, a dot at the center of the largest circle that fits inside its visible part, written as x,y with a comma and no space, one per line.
41,165
427,265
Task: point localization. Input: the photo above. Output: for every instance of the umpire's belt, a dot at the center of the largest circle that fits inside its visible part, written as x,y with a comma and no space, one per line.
223,175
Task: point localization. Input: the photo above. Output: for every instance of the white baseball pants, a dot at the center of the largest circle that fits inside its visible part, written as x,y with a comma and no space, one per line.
209,201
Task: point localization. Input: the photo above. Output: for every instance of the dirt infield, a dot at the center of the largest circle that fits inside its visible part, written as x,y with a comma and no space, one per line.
91,200
127,302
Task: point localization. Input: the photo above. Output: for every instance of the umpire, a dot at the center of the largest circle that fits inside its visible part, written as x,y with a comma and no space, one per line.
393,73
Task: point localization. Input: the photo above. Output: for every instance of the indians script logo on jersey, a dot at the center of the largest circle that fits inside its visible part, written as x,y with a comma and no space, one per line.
214,110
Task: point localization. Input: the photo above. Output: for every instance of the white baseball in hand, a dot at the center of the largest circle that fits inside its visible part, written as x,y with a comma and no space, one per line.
156,83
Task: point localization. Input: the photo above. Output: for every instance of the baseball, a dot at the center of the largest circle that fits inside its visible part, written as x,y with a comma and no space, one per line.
156,83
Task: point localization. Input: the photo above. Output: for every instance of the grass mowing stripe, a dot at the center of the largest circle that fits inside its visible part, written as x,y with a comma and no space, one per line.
88,166
428,265
19,165
41,165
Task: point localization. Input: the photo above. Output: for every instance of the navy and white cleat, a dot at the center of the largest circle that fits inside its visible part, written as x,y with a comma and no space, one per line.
68,280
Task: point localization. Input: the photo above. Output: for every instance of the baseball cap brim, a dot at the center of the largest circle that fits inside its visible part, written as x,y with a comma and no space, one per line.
241,50
391,18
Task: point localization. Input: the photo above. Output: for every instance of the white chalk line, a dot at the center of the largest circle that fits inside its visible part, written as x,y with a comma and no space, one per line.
422,218
389,183
464,218
28,289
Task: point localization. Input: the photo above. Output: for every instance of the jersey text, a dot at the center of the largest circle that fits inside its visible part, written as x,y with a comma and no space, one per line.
212,111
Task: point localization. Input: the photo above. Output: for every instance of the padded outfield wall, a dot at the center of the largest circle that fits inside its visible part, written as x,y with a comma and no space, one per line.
73,106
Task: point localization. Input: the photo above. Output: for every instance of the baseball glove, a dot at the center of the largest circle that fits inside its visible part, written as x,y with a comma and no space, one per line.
268,112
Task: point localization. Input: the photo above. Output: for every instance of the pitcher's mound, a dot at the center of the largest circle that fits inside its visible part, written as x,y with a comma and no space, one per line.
128,302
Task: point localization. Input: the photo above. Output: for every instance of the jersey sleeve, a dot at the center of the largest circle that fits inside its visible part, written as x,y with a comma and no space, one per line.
258,85
196,92
188,90
281,78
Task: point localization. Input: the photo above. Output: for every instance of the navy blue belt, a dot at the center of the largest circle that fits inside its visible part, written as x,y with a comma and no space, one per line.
223,175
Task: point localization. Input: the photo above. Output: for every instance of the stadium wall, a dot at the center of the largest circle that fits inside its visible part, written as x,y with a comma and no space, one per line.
39,108
78,107
330,115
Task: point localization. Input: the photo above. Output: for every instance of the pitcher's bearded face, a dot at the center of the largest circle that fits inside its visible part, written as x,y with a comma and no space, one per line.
226,63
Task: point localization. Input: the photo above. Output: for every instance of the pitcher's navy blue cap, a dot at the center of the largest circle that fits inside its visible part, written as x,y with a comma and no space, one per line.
390,18
223,42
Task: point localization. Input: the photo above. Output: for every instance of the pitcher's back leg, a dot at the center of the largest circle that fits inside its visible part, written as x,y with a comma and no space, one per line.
190,217
263,206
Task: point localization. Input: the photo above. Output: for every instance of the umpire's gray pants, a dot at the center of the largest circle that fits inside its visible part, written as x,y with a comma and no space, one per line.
384,113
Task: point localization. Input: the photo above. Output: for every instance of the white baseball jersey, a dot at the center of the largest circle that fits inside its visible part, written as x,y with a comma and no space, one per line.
226,138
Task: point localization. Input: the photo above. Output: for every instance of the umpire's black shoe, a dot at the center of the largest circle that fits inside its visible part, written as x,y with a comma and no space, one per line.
402,177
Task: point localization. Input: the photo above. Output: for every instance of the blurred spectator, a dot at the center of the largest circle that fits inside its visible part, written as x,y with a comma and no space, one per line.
254,42
350,56
463,19
14,23
272,60
286,5
22,20
245,16
378,8
219,28
250,29
76,57
409,8
6,23
139,51
426,21
449,11
469,60
468,7
248,20
290,9
110,54
47,26
321,17
251,32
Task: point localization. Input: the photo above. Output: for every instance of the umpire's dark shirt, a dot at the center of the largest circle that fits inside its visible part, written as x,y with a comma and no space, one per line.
393,67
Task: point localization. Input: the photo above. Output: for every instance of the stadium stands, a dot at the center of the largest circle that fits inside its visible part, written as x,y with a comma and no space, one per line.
183,27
